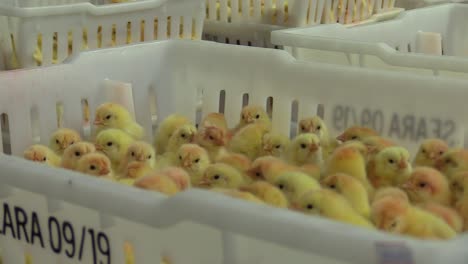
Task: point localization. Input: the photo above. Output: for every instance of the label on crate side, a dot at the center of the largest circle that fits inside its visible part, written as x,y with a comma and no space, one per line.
393,253
60,237
407,127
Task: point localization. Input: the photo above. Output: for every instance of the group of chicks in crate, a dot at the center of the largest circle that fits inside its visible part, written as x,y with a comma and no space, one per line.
359,178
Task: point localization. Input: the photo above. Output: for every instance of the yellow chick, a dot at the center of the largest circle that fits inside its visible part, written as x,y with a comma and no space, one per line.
398,216
62,138
393,192
267,168
458,185
349,160
351,189
42,154
155,181
453,161
214,140
166,129
246,196
111,115
312,170
375,144
305,149
179,176
95,164
214,119
317,126
274,144
389,167
238,161
114,143
429,151
449,215
357,133
185,134
269,193
219,175
248,140
73,153
331,205
253,114
139,160
427,185
194,160
295,184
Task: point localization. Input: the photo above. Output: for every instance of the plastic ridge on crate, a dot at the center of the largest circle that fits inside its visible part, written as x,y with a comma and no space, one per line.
39,36
252,25
413,42
198,226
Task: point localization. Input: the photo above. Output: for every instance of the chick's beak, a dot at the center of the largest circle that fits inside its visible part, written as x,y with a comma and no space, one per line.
249,119
99,147
204,183
186,163
98,122
294,206
313,147
104,171
403,164
432,156
341,138
406,186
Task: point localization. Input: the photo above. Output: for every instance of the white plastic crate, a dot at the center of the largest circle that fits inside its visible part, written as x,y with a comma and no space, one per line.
44,35
198,226
415,41
411,4
256,19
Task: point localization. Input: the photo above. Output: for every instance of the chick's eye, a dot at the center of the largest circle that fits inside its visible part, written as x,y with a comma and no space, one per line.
44,159
448,161
197,160
394,225
183,135
216,177
303,146
257,116
391,161
422,184
73,142
441,153
319,127
211,137
278,146
57,141
133,154
109,144
423,151
310,206
108,117
180,157
92,167
281,186
149,156
77,153
332,186
354,137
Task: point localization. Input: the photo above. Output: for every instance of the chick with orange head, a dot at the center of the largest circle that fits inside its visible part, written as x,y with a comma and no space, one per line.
429,152
448,214
62,138
317,126
390,167
112,115
351,189
194,160
453,161
73,153
357,133
180,177
157,182
375,144
42,154
398,216
267,168
214,119
253,114
425,185
274,144
241,162
214,140
96,164
393,192
139,160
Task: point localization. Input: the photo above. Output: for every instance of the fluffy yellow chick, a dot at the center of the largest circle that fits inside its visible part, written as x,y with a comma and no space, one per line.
296,184
114,143
251,114
331,205
389,167
453,161
214,140
219,175
73,153
351,189
274,144
312,170
139,160
185,134
111,115
179,176
166,129
267,168
429,151
157,182
375,144
42,154
449,215
246,196
62,138
398,216
458,185
427,185
305,149
248,140
269,193
95,164
238,161
317,126
194,160
349,160
357,133
393,192
214,119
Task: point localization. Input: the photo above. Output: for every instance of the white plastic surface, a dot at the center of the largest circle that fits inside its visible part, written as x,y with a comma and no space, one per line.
198,226
20,27
396,44
253,25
